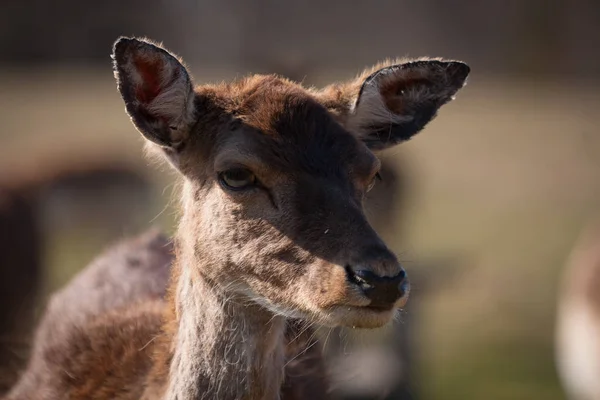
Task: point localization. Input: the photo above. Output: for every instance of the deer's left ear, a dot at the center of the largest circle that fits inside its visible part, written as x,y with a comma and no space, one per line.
396,102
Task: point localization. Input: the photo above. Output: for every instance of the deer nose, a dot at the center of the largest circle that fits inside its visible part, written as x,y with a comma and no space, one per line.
383,291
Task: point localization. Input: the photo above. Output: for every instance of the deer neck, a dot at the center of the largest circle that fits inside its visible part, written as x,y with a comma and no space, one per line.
222,347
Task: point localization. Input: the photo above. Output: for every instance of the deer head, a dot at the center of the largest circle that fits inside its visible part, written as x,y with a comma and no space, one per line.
275,174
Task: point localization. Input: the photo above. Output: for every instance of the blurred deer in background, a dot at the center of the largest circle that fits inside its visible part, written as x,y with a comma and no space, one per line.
51,197
578,319
20,270
272,232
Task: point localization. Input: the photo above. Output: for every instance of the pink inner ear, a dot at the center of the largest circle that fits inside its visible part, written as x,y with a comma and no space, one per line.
150,72
393,90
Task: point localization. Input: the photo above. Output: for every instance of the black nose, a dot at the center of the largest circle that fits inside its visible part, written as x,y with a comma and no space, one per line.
383,291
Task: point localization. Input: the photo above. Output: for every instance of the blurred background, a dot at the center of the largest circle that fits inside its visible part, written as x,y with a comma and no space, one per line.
483,207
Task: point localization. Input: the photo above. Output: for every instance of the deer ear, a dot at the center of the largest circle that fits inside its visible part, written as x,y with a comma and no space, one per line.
396,102
157,90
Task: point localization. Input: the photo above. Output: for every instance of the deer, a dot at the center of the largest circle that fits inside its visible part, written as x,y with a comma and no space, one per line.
272,235
29,195
577,336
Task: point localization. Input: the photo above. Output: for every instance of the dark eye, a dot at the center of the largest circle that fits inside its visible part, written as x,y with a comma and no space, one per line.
237,179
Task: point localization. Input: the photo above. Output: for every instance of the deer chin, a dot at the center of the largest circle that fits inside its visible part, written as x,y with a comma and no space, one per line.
351,315
364,317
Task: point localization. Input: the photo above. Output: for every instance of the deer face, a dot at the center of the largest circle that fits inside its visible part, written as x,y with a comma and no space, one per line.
275,176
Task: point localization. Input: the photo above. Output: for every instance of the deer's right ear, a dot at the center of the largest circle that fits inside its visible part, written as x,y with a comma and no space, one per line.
157,90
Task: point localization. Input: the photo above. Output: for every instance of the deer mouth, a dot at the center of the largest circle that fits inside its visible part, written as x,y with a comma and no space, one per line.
379,308
361,317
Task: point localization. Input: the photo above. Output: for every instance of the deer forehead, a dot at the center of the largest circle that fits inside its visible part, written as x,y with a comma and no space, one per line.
277,125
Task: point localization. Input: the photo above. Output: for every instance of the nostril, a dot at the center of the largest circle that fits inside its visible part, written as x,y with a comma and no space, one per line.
362,278
367,276
401,275
382,290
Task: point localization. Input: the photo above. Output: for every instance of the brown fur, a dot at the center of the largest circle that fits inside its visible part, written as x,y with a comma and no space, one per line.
136,270
124,292
249,261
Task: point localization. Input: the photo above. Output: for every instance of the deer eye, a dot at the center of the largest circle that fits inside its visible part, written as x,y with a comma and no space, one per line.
237,179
